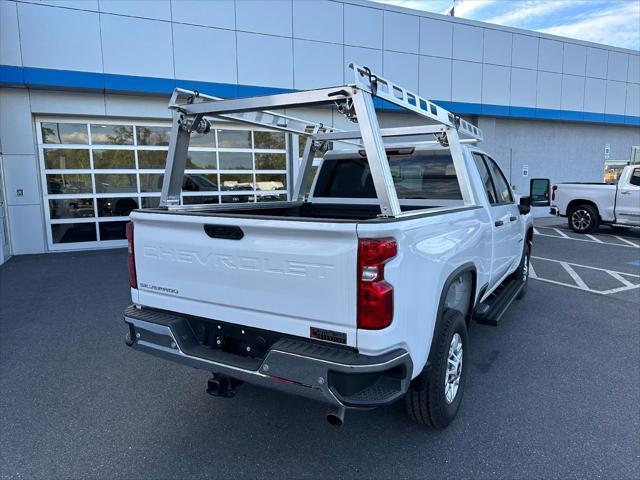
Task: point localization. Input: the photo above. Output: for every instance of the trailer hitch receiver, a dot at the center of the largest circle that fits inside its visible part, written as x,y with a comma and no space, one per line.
222,386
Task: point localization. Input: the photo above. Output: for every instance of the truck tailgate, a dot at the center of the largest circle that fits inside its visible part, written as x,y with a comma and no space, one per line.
282,275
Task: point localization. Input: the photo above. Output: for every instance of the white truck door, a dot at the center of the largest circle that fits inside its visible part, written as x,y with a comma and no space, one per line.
501,215
506,199
628,198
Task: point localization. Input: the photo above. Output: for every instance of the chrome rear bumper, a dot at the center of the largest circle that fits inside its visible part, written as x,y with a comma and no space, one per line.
310,369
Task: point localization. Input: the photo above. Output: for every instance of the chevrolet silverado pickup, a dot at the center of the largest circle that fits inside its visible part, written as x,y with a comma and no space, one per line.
359,291
587,205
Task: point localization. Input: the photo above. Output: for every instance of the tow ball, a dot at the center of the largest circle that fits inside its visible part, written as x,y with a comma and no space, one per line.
222,386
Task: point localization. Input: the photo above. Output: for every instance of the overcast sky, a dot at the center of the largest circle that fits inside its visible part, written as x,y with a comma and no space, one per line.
612,22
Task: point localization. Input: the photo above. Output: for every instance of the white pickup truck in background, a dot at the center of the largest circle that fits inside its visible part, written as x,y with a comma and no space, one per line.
587,205
357,293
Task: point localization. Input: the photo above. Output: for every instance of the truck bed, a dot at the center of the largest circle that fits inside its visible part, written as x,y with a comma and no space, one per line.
288,210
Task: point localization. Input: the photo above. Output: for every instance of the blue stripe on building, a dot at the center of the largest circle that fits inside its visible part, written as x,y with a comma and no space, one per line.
30,77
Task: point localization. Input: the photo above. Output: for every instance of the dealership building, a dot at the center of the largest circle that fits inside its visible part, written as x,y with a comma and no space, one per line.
85,85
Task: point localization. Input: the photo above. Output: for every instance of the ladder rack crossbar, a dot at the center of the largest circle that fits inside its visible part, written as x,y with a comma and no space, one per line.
384,132
263,118
400,96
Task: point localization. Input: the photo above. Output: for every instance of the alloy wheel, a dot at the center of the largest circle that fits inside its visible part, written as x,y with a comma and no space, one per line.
581,219
454,369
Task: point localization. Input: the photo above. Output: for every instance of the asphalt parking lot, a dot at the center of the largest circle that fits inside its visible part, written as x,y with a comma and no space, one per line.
554,390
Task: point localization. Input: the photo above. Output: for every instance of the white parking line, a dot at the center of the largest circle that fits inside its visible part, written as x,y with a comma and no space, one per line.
595,239
580,283
585,266
576,278
592,239
532,272
633,244
561,233
621,279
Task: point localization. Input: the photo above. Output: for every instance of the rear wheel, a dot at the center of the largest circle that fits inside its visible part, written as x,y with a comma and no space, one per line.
435,395
583,218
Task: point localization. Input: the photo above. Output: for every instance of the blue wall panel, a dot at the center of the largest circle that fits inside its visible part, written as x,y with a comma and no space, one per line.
11,75
44,77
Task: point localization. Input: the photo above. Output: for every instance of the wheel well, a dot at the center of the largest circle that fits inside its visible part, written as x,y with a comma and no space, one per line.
467,268
574,203
463,298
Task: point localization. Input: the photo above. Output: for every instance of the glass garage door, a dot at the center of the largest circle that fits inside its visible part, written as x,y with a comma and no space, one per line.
95,172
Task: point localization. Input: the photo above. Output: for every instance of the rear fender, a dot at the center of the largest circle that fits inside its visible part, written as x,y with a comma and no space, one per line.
442,305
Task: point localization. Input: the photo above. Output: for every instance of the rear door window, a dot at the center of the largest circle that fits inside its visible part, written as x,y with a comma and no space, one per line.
419,176
486,178
503,191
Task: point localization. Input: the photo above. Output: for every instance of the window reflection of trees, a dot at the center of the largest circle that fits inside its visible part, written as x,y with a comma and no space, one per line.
270,140
66,158
236,161
152,159
112,134
104,159
158,136
201,160
69,133
234,138
271,161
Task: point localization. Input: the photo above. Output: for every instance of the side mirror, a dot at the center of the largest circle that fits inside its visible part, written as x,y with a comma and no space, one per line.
524,206
539,192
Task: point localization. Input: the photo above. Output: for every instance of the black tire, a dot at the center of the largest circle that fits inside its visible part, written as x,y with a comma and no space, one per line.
425,401
584,218
523,269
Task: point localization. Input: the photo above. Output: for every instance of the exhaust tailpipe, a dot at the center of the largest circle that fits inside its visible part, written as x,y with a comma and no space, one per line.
335,416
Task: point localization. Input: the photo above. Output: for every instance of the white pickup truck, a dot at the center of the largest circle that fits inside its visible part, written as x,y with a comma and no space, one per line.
357,293
587,205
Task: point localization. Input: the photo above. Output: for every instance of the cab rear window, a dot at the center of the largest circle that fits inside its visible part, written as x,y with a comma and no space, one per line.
417,177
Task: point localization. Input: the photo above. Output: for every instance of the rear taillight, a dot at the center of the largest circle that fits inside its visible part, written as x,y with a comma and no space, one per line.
553,192
375,295
133,278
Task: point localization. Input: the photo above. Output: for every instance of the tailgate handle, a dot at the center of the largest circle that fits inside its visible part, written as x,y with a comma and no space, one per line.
224,231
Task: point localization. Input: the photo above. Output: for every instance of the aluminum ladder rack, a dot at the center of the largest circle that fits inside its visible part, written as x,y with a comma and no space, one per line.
355,101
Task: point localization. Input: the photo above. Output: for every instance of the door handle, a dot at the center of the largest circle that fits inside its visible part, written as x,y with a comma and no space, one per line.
513,219
625,192
498,223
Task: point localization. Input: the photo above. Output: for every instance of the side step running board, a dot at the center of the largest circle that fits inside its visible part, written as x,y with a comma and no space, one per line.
491,310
